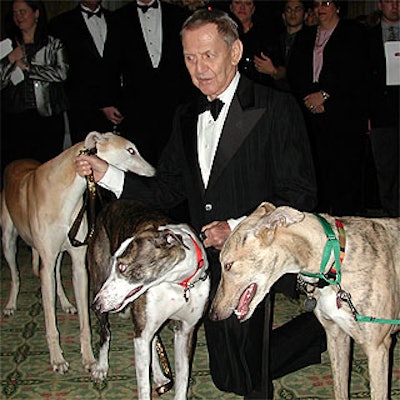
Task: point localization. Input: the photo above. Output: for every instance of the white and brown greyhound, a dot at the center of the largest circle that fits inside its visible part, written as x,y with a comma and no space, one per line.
355,291
39,203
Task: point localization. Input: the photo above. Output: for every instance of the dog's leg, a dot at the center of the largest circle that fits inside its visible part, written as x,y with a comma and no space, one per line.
99,372
9,241
47,282
81,288
339,353
66,306
378,362
182,350
142,347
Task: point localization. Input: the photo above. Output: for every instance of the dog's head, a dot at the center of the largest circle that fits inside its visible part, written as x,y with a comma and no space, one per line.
149,258
119,152
253,258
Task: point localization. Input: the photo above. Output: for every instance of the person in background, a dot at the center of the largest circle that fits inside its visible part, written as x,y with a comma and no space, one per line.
327,72
32,96
293,15
257,36
234,145
144,76
83,30
384,108
310,18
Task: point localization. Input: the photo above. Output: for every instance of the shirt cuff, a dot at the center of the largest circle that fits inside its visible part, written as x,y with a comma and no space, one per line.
113,180
233,223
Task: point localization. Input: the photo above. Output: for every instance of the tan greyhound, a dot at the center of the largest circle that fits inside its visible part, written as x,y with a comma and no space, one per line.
39,203
274,241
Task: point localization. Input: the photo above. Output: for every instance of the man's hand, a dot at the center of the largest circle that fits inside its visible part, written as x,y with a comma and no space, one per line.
113,114
86,165
215,234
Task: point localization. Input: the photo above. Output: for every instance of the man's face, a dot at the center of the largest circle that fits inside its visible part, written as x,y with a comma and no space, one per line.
390,10
294,13
211,63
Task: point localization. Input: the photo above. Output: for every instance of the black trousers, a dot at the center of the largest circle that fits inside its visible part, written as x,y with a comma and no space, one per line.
245,357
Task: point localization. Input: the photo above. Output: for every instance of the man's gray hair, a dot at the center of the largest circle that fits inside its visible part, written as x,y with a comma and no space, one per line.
226,26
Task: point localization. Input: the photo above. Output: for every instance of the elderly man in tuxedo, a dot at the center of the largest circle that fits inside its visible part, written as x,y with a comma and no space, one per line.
84,30
233,146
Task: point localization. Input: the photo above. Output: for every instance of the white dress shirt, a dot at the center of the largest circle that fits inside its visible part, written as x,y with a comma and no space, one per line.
151,22
97,27
209,131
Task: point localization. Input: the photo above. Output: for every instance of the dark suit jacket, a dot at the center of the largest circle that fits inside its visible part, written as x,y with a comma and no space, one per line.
148,96
263,155
343,76
84,80
383,99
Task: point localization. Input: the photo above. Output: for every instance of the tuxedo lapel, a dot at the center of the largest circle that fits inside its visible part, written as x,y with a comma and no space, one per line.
86,36
241,119
189,138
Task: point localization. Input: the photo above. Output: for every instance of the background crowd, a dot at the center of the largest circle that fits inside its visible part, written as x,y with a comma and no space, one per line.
80,74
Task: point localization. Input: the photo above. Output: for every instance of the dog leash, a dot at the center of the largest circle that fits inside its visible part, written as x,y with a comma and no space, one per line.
333,276
91,194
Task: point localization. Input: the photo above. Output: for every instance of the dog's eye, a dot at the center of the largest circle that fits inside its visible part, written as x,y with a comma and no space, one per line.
122,268
131,151
228,266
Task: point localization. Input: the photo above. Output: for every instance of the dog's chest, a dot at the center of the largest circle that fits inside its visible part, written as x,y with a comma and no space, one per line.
330,308
167,300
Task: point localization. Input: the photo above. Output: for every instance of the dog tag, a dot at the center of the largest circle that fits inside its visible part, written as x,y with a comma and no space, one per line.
338,299
310,303
186,294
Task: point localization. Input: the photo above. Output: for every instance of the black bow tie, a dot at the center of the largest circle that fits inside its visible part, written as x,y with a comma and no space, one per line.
144,8
214,106
91,13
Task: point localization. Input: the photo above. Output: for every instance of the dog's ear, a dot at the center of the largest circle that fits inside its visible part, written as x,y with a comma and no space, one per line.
168,239
92,138
266,207
281,216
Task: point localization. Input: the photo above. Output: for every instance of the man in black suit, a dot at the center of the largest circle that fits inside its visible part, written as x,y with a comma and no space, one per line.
225,165
83,31
145,76
384,109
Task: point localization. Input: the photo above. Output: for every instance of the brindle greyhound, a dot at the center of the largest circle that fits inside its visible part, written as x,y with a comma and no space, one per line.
139,257
364,285
39,203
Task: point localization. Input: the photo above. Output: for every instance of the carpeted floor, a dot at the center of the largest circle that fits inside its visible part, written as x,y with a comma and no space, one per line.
26,372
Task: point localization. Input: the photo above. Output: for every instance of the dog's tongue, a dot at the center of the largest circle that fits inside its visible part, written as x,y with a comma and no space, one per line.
245,299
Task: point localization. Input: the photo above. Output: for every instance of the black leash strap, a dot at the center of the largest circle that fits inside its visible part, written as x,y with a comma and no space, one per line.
90,194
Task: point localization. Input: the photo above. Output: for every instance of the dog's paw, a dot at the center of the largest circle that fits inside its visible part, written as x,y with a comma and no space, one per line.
89,364
60,366
9,311
68,308
99,374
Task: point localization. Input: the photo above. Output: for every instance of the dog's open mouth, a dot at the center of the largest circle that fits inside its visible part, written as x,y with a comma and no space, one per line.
245,299
125,301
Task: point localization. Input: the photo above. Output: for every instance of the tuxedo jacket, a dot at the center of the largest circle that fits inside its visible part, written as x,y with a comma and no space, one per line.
85,74
383,99
146,96
263,155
